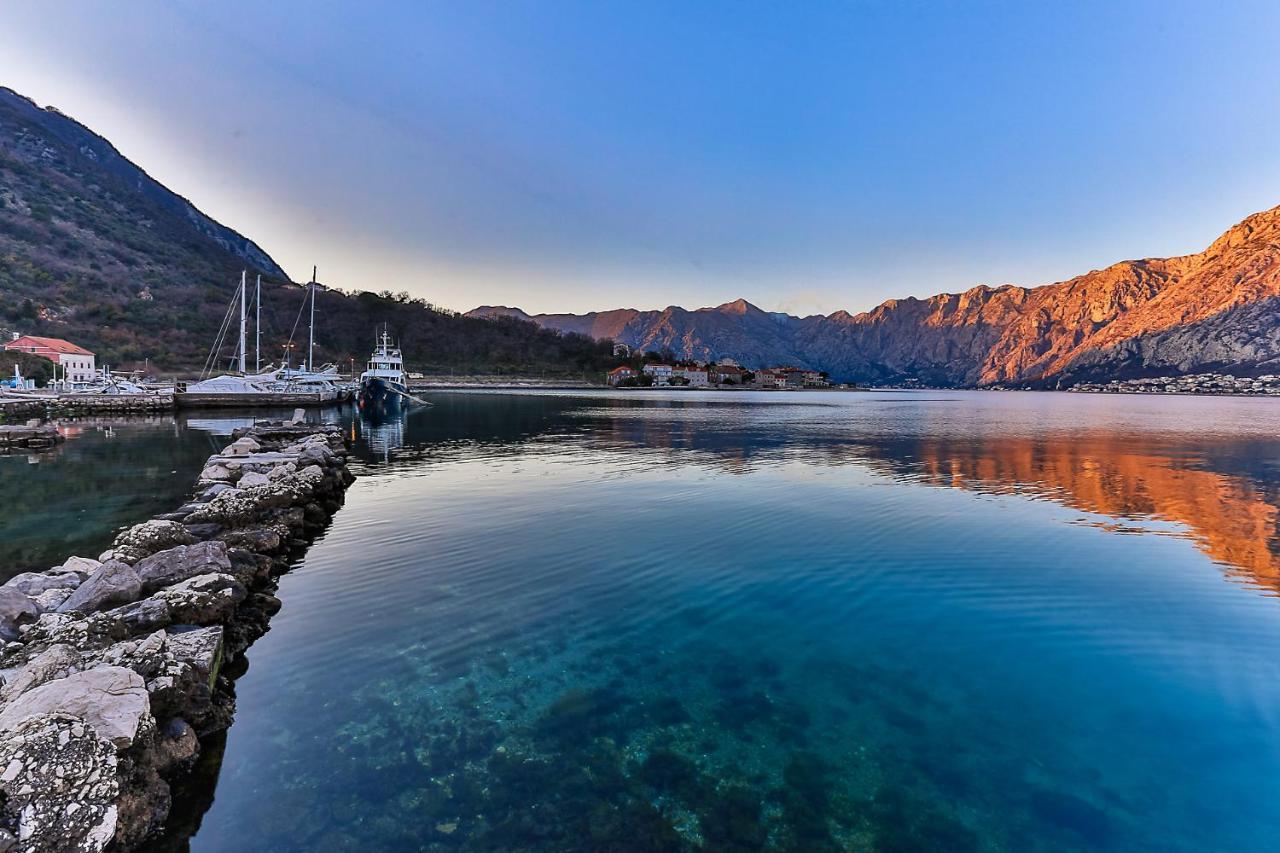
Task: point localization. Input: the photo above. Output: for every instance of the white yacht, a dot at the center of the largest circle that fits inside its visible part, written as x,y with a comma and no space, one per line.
384,386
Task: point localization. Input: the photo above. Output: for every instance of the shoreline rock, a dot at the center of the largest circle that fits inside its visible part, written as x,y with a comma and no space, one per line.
113,670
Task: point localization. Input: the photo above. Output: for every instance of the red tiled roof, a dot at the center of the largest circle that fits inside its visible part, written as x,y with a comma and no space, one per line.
620,370
58,345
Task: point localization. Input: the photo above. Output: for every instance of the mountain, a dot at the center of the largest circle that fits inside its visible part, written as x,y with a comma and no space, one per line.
95,250
1215,310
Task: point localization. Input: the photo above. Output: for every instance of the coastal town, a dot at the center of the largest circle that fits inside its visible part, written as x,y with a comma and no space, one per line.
1196,383
723,373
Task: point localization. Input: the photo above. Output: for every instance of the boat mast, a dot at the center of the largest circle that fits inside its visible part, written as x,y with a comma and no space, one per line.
257,326
243,299
311,335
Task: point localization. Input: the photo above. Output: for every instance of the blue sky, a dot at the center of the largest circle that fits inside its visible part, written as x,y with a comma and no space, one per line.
577,156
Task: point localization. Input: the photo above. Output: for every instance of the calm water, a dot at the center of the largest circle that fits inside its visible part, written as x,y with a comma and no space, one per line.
789,622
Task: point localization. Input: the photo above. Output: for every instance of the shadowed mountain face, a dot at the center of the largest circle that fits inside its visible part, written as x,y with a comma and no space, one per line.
1217,309
94,250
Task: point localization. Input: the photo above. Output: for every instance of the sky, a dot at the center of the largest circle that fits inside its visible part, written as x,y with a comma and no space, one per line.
566,156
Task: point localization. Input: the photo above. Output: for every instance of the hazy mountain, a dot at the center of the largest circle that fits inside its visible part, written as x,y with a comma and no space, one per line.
1215,310
95,250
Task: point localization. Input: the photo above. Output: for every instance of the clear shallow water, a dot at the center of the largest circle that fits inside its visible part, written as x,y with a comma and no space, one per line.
108,474
788,622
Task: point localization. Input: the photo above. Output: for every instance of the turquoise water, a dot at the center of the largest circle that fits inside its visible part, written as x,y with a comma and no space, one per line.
108,474
774,622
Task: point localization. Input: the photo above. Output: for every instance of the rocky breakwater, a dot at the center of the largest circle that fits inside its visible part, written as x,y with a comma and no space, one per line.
33,435
115,668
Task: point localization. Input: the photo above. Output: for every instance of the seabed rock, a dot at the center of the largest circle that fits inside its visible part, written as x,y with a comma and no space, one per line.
115,668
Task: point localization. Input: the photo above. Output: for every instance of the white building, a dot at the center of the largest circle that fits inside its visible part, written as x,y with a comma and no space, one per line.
661,373
76,362
697,376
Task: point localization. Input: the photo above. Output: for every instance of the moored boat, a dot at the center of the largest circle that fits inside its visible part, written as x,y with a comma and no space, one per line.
384,386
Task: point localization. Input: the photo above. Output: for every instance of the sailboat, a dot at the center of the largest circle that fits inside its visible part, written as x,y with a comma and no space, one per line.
323,381
384,386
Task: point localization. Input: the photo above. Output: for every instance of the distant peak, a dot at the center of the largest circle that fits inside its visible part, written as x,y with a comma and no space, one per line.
737,306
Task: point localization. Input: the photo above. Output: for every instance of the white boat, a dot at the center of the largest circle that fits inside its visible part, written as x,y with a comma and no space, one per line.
324,381
384,386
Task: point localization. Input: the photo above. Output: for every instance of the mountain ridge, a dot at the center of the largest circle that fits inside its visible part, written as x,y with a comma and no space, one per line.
1185,314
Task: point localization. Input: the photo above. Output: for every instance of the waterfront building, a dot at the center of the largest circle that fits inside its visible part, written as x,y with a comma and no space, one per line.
76,362
697,376
620,373
661,373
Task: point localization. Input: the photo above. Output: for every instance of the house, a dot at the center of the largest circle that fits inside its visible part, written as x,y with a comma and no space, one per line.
771,377
618,374
697,376
661,373
76,362
728,374
727,362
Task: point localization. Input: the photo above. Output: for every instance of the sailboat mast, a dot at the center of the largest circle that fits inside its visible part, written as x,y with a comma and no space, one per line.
311,335
243,300
257,326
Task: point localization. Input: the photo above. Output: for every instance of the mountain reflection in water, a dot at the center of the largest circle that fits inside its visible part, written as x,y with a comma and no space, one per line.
1213,474
790,621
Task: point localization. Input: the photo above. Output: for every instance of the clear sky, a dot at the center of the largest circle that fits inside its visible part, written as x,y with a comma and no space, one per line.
566,156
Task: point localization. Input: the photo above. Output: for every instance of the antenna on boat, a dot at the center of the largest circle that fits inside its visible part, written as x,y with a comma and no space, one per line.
243,295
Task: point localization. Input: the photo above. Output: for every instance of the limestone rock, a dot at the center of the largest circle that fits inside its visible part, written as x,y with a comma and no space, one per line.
51,599
205,599
111,699
253,479
57,661
242,447
147,538
178,564
34,583
113,583
83,566
59,783
16,608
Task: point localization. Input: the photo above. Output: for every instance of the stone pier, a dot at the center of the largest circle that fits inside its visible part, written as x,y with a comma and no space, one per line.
114,668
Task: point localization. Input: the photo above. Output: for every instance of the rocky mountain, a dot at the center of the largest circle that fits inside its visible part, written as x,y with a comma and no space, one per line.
1215,310
95,250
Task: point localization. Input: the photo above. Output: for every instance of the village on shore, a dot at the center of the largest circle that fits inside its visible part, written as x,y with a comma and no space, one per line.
649,370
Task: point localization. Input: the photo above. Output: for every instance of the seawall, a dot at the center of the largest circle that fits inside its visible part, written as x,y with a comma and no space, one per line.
115,668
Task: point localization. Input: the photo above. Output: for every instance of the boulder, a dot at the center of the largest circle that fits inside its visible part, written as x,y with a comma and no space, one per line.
83,566
185,561
204,600
145,615
16,608
113,583
111,699
57,661
216,474
281,471
59,784
252,479
213,491
148,538
34,583
242,447
51,599
201,648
